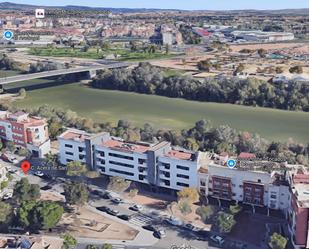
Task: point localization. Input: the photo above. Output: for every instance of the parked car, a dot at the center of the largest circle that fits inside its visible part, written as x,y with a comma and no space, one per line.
112,211
124,217
103,208
106,196
97,192
9,158
46,187
149,228
39,173
173,221
190,227
159,234
217,239
7,196
137,208
117,200
12,171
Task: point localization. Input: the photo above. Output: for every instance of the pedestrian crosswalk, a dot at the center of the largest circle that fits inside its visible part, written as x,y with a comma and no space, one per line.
118,246
140,219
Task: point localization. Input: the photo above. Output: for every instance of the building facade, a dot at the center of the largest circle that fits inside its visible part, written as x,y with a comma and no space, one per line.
157,165
24,131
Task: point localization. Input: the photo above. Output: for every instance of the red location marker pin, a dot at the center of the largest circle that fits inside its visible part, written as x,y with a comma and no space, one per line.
25,166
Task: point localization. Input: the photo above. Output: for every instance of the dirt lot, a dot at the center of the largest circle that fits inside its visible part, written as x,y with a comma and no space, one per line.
85,222
302,48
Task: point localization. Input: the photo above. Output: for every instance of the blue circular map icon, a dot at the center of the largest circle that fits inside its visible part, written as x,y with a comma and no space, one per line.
231,163
8,35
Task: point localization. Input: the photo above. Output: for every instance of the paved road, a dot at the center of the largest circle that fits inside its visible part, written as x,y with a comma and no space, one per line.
24,77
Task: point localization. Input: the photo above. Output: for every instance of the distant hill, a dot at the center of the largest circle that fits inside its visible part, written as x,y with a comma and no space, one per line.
14,6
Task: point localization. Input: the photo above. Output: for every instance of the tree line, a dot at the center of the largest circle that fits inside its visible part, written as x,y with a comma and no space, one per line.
202,136
149,79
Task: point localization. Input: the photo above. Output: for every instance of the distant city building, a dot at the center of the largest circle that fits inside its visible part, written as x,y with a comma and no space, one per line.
25,131
260,36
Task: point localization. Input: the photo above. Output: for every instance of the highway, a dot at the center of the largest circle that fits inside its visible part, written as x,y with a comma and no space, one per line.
24,77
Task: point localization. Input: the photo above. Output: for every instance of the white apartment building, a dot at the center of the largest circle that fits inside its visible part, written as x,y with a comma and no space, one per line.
157,165
254,187
161,166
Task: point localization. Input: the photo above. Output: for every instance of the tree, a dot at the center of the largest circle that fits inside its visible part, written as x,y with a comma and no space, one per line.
4,184
24,191
22,93
225,222
5,212
10,146
240,68
262,52
190,194
24,152
39,215
133,192
184,206
235,209
54,129
277,241
118,184
76,193
76,168
68,241
107,246
204,65
205,212
48,213
296,69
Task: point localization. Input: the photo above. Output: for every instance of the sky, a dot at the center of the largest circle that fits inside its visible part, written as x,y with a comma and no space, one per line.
177,4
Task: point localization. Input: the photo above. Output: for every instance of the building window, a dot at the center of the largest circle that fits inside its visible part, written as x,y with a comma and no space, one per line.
122,164
120,156
166,165
182,167
141,177
182,184
166,174
68,145
69,153
183,176
203,183
121,172
81,157
101,153
102,169
273,196
102,161
81,149
141,161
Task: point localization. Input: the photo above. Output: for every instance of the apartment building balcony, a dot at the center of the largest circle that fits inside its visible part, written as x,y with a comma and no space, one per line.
142,170
165,175
253,193
100,154
164,183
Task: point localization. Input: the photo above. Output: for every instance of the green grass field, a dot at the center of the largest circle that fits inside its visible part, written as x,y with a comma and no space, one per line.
92,53
104,105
